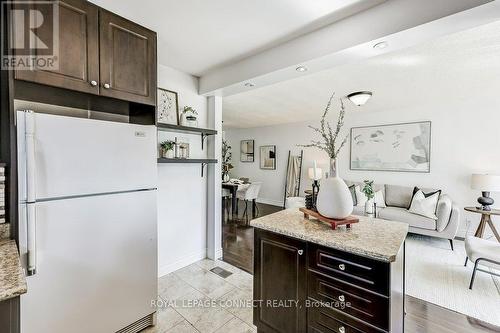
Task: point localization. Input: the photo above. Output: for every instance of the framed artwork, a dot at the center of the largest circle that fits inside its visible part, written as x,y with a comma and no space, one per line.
168,107
247,151
268,157
396,147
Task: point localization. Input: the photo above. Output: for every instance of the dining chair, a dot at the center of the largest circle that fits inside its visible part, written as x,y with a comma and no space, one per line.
226,194
249,193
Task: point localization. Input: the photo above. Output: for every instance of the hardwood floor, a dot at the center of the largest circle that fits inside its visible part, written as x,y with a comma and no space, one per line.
421,316
237,235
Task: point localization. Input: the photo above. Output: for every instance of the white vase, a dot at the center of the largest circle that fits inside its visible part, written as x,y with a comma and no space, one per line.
369,209
334,198
170,153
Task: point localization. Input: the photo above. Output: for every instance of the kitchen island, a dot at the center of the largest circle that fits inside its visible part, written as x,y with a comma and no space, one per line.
310,278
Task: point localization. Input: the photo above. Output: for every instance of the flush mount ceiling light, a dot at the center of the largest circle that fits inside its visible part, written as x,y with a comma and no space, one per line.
381,45
249,84
301,69
360,98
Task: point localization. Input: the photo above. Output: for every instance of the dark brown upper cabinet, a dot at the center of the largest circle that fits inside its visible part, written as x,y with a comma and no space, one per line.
100,53
78,49
127,59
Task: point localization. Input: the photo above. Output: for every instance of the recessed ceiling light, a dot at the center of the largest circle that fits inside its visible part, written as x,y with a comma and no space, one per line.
301,69
381,45
249,84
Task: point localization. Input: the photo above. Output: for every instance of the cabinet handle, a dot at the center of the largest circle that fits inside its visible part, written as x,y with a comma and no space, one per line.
341,329
342,267
106,86
341,298
93,83
300,252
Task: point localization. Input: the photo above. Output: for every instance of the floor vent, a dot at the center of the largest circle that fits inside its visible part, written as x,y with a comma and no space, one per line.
139,325
220,272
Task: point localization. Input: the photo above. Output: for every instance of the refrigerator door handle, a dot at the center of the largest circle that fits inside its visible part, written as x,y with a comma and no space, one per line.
30,191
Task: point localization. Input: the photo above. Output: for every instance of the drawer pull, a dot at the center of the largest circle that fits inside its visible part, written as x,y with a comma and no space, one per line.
342,298
341,329
300,252
342,267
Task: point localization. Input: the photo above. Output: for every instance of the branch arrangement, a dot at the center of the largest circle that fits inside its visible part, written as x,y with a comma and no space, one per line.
328,134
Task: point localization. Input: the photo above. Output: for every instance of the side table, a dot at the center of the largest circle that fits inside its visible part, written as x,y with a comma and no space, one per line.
485,220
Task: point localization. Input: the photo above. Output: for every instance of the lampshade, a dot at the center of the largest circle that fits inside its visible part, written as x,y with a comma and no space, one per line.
485,183
319,173
360,98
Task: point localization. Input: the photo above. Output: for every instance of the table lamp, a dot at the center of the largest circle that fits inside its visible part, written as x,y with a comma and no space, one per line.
315,175
485,184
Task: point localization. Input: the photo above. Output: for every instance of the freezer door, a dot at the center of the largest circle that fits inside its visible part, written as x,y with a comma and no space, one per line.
96,267
75,156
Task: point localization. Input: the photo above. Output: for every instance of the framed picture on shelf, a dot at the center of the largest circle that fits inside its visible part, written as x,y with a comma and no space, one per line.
268,157
394,147
247,151
168,107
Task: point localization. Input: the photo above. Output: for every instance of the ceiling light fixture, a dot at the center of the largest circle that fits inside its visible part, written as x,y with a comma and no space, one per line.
381,45
249,84
360,98
301,69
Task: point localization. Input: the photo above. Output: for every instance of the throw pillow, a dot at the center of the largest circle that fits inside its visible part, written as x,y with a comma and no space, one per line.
425,205
352,189
416,189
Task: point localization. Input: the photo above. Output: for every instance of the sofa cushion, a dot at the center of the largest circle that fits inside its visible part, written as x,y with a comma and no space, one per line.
398,196
402,215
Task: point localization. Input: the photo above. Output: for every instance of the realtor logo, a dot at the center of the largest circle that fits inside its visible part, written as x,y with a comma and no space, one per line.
32,36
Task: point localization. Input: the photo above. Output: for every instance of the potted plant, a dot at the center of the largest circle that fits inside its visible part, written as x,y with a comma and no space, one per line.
334,199
226,160
370,194
167,149
189,116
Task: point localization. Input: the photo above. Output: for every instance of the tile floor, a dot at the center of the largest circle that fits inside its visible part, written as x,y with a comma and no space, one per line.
193,299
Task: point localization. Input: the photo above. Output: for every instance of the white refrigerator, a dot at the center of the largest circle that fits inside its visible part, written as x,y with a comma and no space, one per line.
87,224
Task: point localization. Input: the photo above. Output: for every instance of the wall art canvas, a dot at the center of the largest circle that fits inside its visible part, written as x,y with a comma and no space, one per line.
247,151
168,107
396,147
268,157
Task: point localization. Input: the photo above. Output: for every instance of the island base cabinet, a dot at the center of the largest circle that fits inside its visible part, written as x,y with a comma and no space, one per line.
279,283
304,287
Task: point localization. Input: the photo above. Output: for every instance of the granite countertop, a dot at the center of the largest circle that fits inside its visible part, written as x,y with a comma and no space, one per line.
12,280
374,238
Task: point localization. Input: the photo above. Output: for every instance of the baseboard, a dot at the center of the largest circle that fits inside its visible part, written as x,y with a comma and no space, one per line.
272,202
182,262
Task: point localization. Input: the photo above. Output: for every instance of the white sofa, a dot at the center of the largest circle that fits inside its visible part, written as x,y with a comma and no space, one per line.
397,199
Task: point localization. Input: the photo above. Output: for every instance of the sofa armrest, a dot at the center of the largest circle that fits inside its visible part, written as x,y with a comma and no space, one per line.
443,212
452,228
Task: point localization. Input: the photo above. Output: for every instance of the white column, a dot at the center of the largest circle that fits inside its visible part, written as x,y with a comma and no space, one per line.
214,180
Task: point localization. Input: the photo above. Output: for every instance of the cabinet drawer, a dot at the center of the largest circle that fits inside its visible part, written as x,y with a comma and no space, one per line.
346,298
321,321
359,271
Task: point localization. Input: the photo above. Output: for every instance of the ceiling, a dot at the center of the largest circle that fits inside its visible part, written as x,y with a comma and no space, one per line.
453,66
196,36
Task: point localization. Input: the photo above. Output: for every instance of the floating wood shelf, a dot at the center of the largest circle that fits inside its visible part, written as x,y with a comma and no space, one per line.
186,129
203,161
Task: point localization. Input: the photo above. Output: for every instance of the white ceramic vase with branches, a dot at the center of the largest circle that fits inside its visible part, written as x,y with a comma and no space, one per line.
334,198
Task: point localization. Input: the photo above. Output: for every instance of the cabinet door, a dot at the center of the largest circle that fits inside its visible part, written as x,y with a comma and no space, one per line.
78,48
127,59
279,277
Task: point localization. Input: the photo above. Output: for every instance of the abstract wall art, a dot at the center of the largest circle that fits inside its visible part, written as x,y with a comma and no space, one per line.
395,147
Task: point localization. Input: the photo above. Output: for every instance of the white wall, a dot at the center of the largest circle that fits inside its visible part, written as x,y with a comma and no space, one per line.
465,140
182,193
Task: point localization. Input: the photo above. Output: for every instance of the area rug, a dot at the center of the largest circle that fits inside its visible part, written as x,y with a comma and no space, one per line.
437,275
